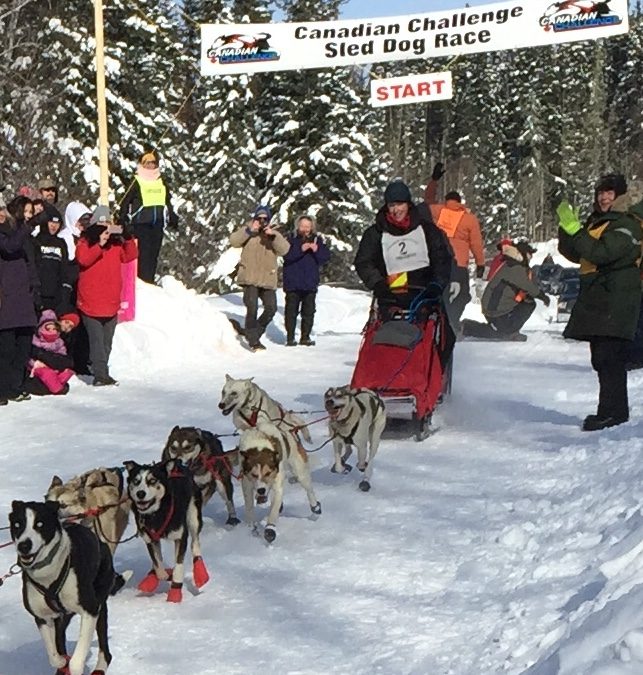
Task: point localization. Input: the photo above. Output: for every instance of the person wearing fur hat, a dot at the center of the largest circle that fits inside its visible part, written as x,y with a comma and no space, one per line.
509,298
307,254
462,228
100,253
608,249
261,246
403,254
50,366
147,207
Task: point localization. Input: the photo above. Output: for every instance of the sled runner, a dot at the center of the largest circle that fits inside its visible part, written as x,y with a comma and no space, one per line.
406,359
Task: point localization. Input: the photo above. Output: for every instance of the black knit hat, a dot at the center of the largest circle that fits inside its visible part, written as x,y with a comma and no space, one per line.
525,248
612,181
397,191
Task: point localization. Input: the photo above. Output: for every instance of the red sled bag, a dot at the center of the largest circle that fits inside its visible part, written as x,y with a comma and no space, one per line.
415,370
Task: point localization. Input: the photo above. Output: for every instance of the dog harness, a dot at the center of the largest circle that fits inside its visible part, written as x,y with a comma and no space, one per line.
51,594
157,534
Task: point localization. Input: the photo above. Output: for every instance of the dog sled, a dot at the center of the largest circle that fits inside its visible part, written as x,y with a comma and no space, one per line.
406,357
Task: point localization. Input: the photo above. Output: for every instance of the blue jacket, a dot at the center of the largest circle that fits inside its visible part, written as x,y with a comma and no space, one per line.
301,269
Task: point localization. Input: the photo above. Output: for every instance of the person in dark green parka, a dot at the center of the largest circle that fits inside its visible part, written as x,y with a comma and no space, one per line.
608,249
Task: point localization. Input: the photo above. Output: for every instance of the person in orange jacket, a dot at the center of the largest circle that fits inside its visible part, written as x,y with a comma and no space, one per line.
463,231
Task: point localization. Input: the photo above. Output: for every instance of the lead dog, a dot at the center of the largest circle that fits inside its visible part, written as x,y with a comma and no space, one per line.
202,452
265,451
250,404
100,496
167,505
65,571
357,417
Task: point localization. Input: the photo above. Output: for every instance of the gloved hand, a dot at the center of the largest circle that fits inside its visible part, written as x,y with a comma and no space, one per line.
382,291
568,218
545,298
480,271
438,171
127,232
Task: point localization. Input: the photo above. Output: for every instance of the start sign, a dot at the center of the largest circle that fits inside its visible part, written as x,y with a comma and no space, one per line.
411,89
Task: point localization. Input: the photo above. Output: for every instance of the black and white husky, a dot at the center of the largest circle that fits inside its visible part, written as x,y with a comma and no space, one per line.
167,505
65,571
357,417
250,404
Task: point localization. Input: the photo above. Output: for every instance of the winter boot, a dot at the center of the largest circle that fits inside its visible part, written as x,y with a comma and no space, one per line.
597,423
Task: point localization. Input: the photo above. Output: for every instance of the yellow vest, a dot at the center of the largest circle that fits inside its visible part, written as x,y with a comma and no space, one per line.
153,192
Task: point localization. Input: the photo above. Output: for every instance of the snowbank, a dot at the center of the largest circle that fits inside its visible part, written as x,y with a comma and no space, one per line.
173,326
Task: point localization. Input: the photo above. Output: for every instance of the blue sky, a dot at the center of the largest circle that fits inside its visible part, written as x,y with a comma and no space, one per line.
360,9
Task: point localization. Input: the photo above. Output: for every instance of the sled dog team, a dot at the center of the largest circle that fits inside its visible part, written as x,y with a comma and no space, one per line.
66,543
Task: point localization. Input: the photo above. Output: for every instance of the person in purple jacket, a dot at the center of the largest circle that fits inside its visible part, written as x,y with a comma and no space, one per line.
19,291
301,278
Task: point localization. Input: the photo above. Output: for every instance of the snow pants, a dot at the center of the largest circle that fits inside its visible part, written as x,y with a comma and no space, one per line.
15,347
101,334
609,358
307,301
150,238
255,327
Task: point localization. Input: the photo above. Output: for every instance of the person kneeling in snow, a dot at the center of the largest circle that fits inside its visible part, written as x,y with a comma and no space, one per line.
50,367
509,298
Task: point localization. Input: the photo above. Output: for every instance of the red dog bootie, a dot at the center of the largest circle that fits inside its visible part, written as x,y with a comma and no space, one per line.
150,583
199,572
175,594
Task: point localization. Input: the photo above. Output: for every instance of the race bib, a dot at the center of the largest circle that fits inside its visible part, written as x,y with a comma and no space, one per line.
405,253
449,220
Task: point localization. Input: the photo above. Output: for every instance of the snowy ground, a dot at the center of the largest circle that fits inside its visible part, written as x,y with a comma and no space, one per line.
508,542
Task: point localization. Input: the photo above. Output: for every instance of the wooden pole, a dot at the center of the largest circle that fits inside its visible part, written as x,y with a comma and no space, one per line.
101,103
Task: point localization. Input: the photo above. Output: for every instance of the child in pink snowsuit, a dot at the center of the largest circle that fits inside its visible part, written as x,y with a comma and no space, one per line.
49,363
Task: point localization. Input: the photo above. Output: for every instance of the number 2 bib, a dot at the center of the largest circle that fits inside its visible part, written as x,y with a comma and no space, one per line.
405,253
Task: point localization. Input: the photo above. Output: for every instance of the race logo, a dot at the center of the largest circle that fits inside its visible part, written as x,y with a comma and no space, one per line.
569,15
237,48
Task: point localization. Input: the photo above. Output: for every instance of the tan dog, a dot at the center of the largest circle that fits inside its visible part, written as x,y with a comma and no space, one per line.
265,451
100,491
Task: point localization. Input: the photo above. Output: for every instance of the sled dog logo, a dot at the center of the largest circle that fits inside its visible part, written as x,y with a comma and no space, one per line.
567,15
238,48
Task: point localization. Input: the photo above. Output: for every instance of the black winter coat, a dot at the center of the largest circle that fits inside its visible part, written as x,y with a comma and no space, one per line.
19,283
54,269
132,211
371,268
609,250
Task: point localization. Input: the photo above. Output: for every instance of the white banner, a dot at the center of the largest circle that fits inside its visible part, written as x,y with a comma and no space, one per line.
411,89
251,48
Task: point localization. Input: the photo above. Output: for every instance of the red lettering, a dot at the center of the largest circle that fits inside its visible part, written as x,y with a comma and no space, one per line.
382,93
424,89
408,91
396,90
438,85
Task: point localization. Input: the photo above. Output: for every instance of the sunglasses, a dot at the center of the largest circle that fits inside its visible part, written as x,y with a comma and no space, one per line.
49,189
262,219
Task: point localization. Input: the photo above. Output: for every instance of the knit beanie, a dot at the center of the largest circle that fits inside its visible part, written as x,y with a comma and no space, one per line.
72,317
263,210
397,191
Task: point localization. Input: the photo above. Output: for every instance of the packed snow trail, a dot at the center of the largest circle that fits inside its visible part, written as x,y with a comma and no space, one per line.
508,540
